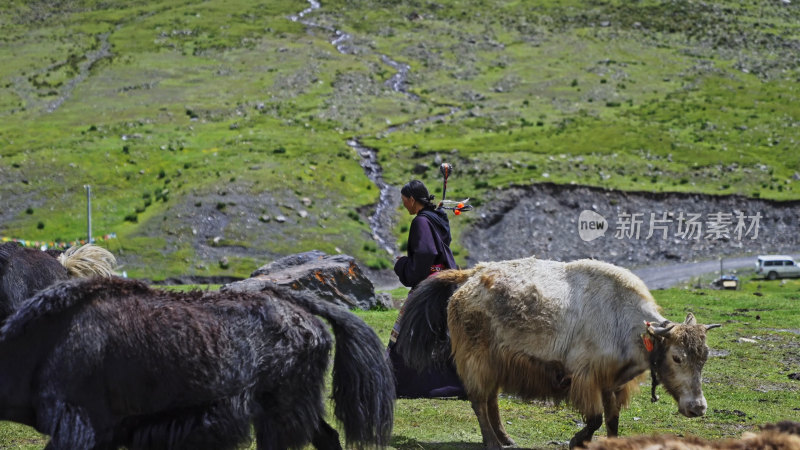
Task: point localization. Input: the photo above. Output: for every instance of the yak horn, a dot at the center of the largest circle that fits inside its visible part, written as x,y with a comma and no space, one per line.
713,325
661,331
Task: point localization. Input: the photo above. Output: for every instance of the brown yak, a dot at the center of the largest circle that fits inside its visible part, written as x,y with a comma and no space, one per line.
783,435
583,332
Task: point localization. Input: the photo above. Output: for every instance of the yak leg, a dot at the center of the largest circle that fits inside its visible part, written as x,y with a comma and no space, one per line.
326,438
494,419
269,435
68,426
481,408
585,435
611,409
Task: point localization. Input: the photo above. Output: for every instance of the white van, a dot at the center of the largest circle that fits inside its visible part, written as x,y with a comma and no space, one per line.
777,266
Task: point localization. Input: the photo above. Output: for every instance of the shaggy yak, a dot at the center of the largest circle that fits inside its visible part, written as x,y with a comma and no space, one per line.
101,363
583,332
26,271
782,435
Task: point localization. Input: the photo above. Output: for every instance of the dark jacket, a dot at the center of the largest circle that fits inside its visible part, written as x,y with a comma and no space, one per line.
428,244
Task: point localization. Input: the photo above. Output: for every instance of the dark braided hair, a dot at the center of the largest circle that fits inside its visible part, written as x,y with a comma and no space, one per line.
416,189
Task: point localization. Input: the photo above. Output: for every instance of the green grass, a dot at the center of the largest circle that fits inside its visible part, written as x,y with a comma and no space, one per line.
746,384
234,104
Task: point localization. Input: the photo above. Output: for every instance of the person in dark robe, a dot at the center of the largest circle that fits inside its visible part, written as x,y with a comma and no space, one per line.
428,253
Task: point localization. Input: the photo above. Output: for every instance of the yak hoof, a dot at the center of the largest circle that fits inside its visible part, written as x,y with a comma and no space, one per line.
326,438
576,442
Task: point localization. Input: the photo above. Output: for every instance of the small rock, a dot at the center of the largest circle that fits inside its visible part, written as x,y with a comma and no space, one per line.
280,219
419,169
746,341
384,300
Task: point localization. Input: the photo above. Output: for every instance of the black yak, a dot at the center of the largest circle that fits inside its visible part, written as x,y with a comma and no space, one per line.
25,271
583,332
100,363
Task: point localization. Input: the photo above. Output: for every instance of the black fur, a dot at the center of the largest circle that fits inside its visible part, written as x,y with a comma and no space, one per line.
422,340
104,363
23,272
360,395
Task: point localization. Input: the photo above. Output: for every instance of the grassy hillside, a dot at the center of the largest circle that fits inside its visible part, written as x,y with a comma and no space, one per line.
197,124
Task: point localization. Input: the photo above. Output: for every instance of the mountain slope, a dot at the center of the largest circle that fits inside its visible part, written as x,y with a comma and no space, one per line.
215,134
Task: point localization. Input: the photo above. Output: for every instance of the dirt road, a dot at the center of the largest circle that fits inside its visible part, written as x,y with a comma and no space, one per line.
671,275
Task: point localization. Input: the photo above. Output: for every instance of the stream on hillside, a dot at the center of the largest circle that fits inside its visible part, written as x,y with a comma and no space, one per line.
381,220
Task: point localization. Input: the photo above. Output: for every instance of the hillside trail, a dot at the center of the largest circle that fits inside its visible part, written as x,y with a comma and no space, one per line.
381,220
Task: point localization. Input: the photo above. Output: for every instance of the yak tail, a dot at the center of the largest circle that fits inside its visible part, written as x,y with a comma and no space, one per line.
363,380
87,261
423,340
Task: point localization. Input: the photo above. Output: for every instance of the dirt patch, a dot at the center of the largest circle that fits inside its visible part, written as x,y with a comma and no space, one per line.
228,222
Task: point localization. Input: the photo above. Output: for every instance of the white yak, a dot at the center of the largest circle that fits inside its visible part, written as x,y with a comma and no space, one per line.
584,332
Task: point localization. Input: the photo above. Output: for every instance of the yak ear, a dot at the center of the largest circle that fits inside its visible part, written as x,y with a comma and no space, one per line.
713,325
690,320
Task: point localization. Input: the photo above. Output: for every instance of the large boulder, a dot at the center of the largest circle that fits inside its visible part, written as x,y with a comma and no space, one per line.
335,278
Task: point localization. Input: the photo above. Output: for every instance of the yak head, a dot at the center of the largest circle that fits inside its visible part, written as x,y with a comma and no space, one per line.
678,357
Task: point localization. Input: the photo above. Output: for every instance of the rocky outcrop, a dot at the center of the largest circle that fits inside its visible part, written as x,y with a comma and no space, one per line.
335,278
638,228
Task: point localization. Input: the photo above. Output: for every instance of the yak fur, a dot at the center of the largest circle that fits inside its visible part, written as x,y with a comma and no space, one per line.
551,330
25,271
101,363
783,435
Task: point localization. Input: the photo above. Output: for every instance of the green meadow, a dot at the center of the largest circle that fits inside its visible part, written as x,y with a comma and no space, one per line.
746,380
197,124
